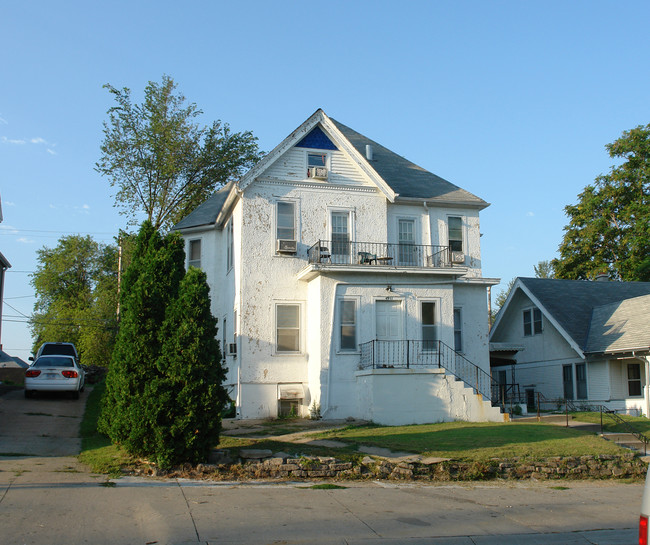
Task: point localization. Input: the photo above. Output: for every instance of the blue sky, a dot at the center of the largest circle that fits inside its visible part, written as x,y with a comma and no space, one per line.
513,101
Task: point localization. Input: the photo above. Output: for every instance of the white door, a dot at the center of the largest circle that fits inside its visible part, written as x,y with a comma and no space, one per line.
340,237
390,348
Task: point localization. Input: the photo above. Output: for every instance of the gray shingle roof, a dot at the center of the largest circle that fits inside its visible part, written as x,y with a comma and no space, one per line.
207,212
620,326
572,302
406,178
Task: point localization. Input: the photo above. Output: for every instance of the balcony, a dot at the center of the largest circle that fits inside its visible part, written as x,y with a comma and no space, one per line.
417,354
374,254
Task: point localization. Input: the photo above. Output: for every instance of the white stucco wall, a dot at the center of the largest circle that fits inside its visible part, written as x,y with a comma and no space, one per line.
407,396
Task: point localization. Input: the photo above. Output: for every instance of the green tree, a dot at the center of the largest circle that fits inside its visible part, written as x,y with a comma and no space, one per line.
609,227
164,392
149,283
544,269
187,400
161,162
76,297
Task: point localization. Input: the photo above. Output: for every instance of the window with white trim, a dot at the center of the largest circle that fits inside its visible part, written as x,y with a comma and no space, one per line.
286,221
428,317
458,330
634,379
455,233
406,238
194,253
287,327
230,248
348,324
317,165
532,321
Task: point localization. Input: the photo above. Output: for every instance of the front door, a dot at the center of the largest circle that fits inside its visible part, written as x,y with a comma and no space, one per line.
567,379
390,349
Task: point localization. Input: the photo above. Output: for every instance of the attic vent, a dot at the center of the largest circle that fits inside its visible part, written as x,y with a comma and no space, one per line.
369,152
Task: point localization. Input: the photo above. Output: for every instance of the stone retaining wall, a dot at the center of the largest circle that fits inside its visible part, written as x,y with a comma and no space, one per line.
283,467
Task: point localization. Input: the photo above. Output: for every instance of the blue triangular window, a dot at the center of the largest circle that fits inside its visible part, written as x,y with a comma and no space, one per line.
316,139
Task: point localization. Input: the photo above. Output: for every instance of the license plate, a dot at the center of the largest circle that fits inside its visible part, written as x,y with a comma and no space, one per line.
50,375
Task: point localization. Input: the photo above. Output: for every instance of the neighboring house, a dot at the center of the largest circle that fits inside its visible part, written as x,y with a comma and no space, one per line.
10,362
574,339
347,282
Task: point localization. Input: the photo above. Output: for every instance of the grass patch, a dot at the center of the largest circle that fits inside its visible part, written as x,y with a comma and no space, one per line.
97,451
639,423
560,488
472,441
325,486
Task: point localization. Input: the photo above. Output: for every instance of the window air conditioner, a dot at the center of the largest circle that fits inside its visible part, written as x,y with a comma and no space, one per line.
232,349
457,257
319,173
286,246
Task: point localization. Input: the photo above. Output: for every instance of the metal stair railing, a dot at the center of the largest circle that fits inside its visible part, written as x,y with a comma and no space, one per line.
586,406
379,354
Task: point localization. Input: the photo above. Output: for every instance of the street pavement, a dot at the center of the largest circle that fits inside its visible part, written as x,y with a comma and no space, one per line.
55,500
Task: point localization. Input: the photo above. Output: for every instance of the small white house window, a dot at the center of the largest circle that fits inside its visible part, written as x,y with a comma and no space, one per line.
230,248
634,379
287,321
317,165
194,251
286,221
532,322
458,331
348,312
429,336
455,233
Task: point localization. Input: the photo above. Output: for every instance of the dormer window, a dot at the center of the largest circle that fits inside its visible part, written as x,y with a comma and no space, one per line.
317,166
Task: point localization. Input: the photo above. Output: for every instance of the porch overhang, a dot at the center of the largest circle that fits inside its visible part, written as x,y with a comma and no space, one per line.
313,270
502,353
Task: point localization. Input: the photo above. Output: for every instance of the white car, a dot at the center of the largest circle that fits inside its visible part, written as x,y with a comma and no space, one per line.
55,373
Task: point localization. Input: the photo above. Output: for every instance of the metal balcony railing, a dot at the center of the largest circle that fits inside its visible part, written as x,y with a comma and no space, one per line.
345,252
406,354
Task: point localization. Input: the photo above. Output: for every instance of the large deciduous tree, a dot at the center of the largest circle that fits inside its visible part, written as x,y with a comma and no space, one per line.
76,286
609,227
161,161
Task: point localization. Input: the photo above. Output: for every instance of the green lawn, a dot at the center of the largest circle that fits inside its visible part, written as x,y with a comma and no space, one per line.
96,449
639,423
479,441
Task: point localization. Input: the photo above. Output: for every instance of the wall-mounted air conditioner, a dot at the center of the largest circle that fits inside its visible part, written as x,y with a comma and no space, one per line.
319,173
457,257
286,246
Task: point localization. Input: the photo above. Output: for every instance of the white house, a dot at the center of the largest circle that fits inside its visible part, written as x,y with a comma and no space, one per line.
574,339
347,281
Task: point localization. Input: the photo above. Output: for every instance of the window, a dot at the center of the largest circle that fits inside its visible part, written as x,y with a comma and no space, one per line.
428,326
286,221
458,332
230,250
455,232
581,381
340,237
406,237
287,320
634,379
194,254
348,316
315,163
532,322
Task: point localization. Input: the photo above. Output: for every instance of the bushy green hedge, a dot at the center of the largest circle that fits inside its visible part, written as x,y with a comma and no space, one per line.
164,392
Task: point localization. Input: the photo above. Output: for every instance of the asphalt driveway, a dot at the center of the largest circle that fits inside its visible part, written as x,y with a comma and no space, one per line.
47,425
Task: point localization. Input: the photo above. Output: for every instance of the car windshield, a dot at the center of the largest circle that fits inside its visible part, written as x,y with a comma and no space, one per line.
63,349
53,362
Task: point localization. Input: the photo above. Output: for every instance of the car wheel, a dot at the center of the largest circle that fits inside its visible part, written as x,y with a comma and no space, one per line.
28,394
75,394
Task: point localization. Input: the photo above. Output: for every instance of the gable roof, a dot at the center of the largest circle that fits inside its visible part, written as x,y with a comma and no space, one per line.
620,327
207,212
396,177
570,304
408,180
